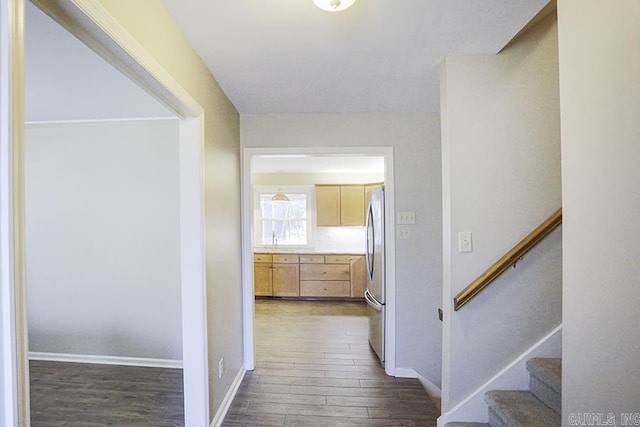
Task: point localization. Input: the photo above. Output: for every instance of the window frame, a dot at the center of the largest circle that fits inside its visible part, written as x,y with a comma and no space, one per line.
307,190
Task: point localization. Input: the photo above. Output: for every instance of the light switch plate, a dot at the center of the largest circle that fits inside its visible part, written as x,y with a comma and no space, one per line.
465,243
407,217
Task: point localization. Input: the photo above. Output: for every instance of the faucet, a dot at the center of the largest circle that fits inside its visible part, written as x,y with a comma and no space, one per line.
274,241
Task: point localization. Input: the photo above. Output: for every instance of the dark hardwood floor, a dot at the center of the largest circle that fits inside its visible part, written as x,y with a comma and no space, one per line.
314,367
78,394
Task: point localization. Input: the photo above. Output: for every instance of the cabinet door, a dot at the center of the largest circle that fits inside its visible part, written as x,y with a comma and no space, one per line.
358,276
328,205
324,272
337,259
311,259
286,259
324,288
286,280
352,205
262,280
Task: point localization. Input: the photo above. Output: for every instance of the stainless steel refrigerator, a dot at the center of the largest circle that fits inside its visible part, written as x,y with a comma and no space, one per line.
375,293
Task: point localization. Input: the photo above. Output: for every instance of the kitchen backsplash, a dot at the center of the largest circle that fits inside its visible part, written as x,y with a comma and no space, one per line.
340,239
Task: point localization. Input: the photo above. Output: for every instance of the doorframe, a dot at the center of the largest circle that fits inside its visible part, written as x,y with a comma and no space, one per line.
94,26
248,298
14,406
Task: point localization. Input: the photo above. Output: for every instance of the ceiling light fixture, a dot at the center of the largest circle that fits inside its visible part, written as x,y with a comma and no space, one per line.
334,5
280,197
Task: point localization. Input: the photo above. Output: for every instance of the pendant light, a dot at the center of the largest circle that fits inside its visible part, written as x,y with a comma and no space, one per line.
280,197
334,5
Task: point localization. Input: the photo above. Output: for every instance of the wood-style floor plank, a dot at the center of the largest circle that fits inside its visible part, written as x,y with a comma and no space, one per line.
78,394
314,368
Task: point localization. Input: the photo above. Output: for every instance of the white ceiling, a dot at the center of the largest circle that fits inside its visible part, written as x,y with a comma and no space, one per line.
318,164
65,80
288,56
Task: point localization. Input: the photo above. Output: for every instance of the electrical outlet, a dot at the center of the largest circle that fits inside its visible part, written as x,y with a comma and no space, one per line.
408,217
220,367
404,233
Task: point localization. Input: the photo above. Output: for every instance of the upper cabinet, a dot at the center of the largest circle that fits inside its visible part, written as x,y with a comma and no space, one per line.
327,205
340,205
352,205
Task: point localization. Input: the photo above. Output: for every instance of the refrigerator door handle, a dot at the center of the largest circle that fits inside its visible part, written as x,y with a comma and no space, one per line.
370,243
372,301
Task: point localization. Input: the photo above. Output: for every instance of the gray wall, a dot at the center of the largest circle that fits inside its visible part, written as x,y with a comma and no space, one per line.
102,239
151,25
501,179
415,139
600,104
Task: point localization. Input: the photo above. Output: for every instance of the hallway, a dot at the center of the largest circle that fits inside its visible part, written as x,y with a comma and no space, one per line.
314,368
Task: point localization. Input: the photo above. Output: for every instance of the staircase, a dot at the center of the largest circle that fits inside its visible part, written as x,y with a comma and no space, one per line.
536,407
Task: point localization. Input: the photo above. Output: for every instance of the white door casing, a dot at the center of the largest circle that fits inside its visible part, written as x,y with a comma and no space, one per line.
88,21
247,242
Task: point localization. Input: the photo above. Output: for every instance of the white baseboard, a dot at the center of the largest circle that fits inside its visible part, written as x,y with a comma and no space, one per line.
106,360
226,403
432,390
513,377
406,373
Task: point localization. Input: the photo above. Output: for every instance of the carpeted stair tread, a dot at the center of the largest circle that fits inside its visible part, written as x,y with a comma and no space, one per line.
519,409
547,370
466,424
545,377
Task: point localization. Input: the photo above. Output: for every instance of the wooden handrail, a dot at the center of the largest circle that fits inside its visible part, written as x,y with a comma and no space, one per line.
509,259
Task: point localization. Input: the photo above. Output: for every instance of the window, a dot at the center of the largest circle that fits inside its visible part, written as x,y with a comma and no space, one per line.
283,224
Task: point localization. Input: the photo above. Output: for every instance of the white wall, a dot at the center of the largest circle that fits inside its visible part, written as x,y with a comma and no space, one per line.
599,47
102,239
59,66
501,179
415,139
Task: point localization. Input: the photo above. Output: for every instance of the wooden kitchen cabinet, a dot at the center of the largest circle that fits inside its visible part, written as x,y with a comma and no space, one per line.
324,288
311,259
340,205
262,275
286,280
329,279
358,276
337,259
352,205
324,272
309,275
327,205
286,275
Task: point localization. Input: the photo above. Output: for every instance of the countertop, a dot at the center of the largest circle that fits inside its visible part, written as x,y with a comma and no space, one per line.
304,252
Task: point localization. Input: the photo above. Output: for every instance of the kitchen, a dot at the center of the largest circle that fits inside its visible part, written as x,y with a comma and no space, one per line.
314,237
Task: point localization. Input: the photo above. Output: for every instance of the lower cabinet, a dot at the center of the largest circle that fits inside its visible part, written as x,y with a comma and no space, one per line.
310,276
326,279
358,276
286,280
324,288
262,277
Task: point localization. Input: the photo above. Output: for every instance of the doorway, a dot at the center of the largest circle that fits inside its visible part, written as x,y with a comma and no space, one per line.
249,233
103,34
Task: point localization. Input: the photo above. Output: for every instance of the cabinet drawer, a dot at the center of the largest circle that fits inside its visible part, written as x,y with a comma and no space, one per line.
324,272
285,259
337,259
311,259
262,258
324,288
